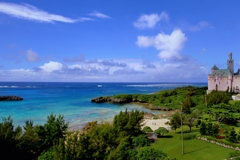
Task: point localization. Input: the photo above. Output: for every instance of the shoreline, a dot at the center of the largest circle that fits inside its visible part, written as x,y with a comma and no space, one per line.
154,124
162,117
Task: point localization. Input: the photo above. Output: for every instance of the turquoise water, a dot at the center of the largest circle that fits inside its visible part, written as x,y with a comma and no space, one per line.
73,100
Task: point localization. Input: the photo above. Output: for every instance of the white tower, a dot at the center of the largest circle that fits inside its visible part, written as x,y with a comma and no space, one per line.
230,63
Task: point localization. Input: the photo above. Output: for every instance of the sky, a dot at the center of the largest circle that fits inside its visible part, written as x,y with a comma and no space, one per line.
117,41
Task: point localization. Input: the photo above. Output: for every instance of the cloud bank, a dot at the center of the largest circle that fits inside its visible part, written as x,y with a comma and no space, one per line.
118,70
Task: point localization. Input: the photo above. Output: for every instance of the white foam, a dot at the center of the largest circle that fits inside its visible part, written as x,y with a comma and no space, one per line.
4,86
154,85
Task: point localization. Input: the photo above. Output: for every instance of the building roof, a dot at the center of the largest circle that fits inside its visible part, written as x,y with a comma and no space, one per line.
215,67
237,73
220,73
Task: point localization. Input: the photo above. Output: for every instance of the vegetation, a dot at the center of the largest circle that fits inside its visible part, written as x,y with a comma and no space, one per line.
213,116
147,129
194,149
189,96
161,131
121,140
30,141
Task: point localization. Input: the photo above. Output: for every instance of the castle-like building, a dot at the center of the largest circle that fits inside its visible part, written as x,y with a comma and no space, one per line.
224,79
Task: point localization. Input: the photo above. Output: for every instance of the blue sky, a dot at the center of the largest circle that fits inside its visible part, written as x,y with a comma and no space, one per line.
117,41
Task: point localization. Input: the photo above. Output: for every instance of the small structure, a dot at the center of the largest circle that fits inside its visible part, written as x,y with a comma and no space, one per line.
236,97
224,79
152,136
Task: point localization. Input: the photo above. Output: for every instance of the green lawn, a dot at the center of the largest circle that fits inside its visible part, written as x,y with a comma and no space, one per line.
193,149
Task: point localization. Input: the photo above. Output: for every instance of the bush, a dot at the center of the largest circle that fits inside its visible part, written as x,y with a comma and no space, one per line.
46,155
156,117
220,137
189,136
234,155
147,129
161,131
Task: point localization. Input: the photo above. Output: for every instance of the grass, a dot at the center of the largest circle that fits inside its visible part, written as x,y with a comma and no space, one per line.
193,149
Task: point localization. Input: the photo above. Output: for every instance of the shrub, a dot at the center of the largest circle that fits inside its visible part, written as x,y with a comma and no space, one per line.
155,117
161,131
147,129
189,136
220,137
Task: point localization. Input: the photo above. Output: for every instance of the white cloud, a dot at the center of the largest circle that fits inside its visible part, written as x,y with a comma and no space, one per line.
203,50
51,66
99,15
32,56
26,11
199,26
82,19
145,41
149,21
168,45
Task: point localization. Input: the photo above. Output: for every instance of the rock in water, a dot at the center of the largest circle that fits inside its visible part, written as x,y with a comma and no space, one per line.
10,98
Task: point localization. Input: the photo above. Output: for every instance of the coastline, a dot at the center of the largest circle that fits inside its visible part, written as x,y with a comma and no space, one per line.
73,101
148,120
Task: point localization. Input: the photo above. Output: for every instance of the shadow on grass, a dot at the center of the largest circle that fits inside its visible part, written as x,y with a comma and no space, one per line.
166,136
188,131
197,150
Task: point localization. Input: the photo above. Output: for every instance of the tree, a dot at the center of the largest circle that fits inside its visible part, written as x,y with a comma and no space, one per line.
161,131
124,151
9,138
187,103
175,121
203,128
128,123
232,136
147,129
103,138
151,154
52,131
209,129
217,97
140,141
76,146
215,129
29,141
191,119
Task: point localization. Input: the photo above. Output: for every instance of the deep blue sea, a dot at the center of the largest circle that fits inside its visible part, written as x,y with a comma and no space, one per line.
73,100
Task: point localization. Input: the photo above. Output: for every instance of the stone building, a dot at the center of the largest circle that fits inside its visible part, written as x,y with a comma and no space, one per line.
224,79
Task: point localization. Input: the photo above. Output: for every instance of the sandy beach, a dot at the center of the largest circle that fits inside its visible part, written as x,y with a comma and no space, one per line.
156,123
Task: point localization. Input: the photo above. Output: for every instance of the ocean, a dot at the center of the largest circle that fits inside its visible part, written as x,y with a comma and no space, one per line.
72,100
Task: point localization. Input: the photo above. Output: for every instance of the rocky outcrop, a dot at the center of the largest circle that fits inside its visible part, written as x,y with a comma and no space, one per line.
110,99
10,98
118,100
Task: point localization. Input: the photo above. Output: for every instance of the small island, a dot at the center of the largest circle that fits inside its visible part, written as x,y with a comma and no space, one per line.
10,98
